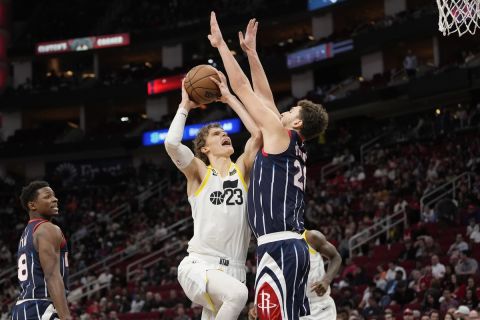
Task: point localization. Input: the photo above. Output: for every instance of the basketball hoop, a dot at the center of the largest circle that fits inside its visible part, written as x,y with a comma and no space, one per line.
462,16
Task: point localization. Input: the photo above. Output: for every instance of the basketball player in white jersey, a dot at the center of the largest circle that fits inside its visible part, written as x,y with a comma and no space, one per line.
213,274
322,306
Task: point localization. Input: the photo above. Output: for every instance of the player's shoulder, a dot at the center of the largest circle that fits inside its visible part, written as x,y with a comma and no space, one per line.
47,227
315,236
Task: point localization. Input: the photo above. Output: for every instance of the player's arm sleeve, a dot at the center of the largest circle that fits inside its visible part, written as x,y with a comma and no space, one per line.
181,155
49,239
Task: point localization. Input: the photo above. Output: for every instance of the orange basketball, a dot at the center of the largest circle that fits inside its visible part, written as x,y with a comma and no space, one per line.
200,87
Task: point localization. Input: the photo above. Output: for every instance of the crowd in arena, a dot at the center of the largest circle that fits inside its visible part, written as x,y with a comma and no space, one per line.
409,271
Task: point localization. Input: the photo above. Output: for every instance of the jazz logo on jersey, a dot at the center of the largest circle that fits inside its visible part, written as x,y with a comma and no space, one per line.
267,304
231,194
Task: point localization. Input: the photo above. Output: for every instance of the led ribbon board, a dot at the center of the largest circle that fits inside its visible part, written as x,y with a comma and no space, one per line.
156,137
83,44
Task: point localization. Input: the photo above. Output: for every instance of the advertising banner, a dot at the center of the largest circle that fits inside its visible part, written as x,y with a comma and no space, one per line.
83,44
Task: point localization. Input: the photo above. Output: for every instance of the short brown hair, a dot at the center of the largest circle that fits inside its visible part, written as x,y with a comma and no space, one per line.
201,139
314,118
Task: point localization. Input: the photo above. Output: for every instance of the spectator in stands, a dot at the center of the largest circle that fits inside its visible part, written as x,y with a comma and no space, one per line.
403,295
462,313
434,315
149,304
473,315
475,234
431,246
430,302
158,303
394,283
180,313
137,303
197,312
373,309
393,268
471,299
410,64
367,293
428,215
466,265
438,269
112,315
447,301
458,245
408,314
408,252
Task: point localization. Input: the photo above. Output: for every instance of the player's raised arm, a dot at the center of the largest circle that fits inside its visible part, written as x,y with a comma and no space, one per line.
181,155
245,161
275,137
49,239
259,77
318,241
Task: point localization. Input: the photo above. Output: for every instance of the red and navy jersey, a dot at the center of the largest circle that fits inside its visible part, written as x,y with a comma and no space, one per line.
277,189
30,274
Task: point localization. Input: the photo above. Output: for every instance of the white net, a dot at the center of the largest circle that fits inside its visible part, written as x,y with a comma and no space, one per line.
458,16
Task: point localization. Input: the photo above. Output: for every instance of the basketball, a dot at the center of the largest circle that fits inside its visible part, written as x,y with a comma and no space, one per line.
200,87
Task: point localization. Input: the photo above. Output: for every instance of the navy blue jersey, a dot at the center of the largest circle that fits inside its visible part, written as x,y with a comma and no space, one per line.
276,192
30,273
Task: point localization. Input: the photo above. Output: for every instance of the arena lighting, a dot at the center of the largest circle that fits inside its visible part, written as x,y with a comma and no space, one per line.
83,44
317,4
156,137
163,85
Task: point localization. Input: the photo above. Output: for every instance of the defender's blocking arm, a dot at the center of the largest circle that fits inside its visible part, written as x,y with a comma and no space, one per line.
259,77
275,137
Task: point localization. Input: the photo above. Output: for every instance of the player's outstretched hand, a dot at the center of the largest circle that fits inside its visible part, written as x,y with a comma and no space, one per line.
215,35
186,102
320,287
249,41
223,86
252,314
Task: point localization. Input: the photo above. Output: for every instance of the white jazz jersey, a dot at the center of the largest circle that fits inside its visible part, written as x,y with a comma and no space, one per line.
219,210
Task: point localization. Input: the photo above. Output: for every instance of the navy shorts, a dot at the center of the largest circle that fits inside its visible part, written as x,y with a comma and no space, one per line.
281,282
34,310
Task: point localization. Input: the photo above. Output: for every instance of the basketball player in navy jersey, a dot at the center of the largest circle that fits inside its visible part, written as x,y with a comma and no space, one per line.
42,259
276,194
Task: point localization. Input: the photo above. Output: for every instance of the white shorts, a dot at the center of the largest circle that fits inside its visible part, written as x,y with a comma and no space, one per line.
323,309
192,276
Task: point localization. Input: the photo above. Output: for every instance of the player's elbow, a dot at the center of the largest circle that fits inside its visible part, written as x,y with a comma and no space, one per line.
51,276
170,147
256,135
338,257
240,84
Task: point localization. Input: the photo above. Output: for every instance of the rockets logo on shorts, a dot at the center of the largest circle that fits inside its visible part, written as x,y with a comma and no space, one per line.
268,306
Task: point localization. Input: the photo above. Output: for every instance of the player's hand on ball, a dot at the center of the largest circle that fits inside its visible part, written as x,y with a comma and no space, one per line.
186,102
249,42
252,314
215,35
320,287
223,86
